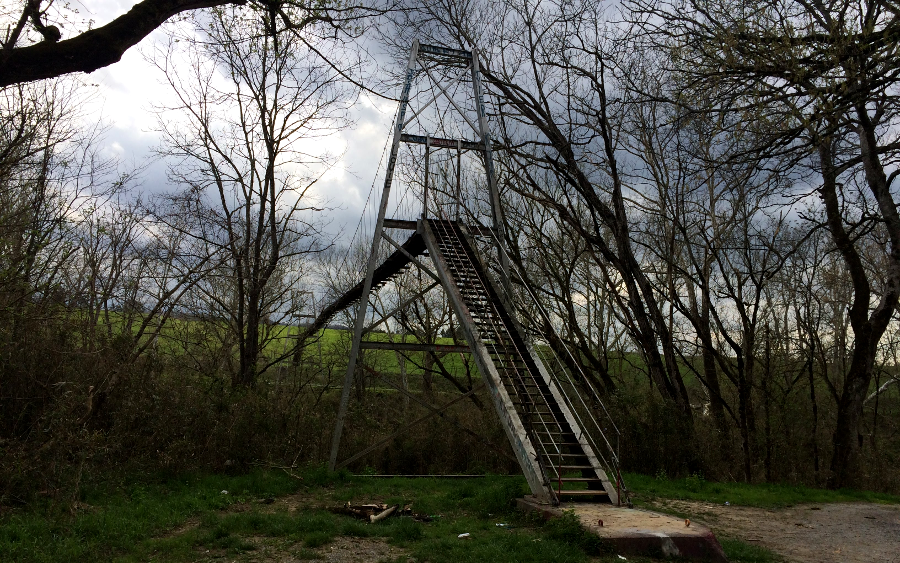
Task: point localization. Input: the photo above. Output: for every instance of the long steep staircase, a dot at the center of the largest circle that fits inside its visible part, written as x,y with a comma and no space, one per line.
569,467
557,455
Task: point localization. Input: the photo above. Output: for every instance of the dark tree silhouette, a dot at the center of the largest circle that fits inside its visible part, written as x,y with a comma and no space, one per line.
105,45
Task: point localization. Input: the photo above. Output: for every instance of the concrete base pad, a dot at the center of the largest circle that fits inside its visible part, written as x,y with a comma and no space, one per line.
631,531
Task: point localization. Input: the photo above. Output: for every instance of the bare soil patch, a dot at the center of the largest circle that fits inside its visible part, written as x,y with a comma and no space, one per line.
359,550
341,550
808,533
185,527
271,550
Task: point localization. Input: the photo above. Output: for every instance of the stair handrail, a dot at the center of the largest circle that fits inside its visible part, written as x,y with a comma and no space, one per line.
615,466
482,270
484,282
613,452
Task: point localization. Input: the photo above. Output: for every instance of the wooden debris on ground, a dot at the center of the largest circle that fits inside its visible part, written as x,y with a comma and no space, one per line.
377,512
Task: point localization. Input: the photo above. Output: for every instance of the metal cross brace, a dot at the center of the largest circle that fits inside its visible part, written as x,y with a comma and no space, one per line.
434,412
412,258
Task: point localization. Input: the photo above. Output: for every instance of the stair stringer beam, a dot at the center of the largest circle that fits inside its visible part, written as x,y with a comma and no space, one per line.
523,448
571,420
575,426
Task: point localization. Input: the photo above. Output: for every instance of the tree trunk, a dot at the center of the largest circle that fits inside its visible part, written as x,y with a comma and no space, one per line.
97,47
744,408
711,374
250,355
856,381
767,405
815,409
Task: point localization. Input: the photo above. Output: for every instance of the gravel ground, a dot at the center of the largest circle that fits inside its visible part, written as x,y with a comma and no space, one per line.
809,533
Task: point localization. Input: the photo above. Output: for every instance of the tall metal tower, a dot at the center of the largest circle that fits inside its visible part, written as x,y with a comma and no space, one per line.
544,423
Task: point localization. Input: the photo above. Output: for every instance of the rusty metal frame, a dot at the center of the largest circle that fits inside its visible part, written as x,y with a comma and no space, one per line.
373,255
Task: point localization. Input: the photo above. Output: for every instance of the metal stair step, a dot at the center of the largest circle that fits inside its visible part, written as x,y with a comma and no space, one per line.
582,493
529,393
563,433
526,384
534,412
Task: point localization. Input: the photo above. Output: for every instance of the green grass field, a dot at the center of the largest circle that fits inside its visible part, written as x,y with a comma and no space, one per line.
267,513
135,522
647,488
180,336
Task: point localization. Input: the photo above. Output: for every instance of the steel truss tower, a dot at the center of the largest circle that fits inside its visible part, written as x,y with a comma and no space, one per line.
543,423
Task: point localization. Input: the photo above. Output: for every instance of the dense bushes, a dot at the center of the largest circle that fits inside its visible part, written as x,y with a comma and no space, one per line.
69,420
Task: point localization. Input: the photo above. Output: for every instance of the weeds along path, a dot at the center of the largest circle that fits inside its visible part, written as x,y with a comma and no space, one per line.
807,533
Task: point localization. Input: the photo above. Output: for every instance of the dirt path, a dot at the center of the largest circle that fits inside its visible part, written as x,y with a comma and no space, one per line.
341,550
810,533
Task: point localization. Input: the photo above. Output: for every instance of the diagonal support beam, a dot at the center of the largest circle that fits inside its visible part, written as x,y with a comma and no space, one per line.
452,101
497,449
435,97
412,258
435,412
400,307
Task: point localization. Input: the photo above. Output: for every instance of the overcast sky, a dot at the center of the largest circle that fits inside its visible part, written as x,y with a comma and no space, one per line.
128,89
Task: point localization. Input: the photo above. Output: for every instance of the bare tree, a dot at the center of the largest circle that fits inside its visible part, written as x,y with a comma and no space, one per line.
821,80
75,258
549,72
33,47
241,146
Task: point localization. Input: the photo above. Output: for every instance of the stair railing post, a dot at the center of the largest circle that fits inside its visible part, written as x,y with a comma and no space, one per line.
373,257
559,474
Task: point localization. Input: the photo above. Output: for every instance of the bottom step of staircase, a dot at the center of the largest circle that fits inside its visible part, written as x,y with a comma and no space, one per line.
581,493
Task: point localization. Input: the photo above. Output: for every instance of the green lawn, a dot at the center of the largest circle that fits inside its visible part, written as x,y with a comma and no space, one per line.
267,514
191,518
647,488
